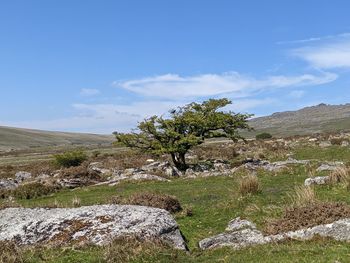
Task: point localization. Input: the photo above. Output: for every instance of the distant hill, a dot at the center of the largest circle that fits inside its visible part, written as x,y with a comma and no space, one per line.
17,138
309,120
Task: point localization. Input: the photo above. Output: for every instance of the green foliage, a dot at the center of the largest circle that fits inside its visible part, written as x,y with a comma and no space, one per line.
69,159
186,127
263,136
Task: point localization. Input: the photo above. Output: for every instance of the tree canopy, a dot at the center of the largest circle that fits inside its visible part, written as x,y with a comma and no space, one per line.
186,127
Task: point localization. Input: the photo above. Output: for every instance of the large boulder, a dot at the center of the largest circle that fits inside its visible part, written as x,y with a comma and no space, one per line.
97,224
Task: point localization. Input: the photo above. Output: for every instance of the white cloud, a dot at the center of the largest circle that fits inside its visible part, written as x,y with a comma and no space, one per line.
89,92
332,54
173,86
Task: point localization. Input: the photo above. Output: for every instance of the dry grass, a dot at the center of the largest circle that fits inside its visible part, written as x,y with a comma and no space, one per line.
10,253
163,201
295,218
340,175
303,195
76,202
249,185
29,191
135,249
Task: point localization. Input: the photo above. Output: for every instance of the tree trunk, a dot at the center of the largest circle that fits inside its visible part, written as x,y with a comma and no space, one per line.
179,161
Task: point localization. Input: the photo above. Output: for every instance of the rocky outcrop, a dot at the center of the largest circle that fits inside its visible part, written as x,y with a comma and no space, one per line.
22,176
329,166
91,224
319,180
254,164
243,233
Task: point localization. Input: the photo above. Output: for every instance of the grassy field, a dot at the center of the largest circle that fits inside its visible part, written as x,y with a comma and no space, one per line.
214,201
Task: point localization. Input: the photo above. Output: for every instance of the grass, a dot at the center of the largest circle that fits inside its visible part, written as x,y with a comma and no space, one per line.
213,202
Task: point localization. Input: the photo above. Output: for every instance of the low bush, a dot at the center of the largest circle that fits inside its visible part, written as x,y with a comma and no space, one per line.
69,159
295,217
32,190
249,185
10,253
163,201
263,136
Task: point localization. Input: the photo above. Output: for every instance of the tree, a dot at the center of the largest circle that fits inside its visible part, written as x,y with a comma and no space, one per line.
185,128
263,136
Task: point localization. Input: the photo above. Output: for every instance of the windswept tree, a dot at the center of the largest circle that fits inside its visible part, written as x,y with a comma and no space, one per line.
186,127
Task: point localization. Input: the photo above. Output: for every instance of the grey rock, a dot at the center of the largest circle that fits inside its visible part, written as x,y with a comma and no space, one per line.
330,166
243,234
98,167
325,144
21,176
319,180
8,184
90,224
239,224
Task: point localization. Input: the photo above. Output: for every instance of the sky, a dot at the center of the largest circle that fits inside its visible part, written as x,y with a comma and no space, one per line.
100,66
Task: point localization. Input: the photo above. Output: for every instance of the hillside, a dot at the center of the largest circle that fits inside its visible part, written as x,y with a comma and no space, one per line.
17,138
309,120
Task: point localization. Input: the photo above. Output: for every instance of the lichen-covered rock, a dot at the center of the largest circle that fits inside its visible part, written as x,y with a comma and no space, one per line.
97,224
318,180
243,233
8,184
331,166
21,176
98,168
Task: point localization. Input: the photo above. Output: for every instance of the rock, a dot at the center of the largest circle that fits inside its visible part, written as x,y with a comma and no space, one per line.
42,177
8,184
325,144
98,167
244,234
87,225
330,166
118,177
21,176
72,182
344,143
149,161
313,140
319,180
239,224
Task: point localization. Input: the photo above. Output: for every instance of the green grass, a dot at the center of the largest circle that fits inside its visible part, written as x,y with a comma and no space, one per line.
214,202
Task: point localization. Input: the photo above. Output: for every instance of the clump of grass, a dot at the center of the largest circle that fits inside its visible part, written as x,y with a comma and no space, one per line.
10,253
136,249
249,185
304,195
340,175
69,159
163,201
76,202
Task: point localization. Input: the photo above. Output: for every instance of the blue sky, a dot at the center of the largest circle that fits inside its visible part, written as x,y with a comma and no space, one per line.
100,66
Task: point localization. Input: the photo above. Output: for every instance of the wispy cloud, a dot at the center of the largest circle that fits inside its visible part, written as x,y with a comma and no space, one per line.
327,55
89,92
297,94
315,39
173,86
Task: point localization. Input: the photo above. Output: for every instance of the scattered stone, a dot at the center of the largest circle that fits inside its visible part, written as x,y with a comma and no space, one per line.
72,183
344,144
98,167
319,180
239,224
8,184
97,224
245,234
22,176
149,161
331,166
325,144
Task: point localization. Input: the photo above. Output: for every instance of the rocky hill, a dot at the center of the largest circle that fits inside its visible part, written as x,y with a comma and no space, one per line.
309,120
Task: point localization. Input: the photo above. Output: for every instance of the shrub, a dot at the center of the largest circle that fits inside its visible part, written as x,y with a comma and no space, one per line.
295,218
10,253
69,159
32,190
263,136
163,201
249,185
